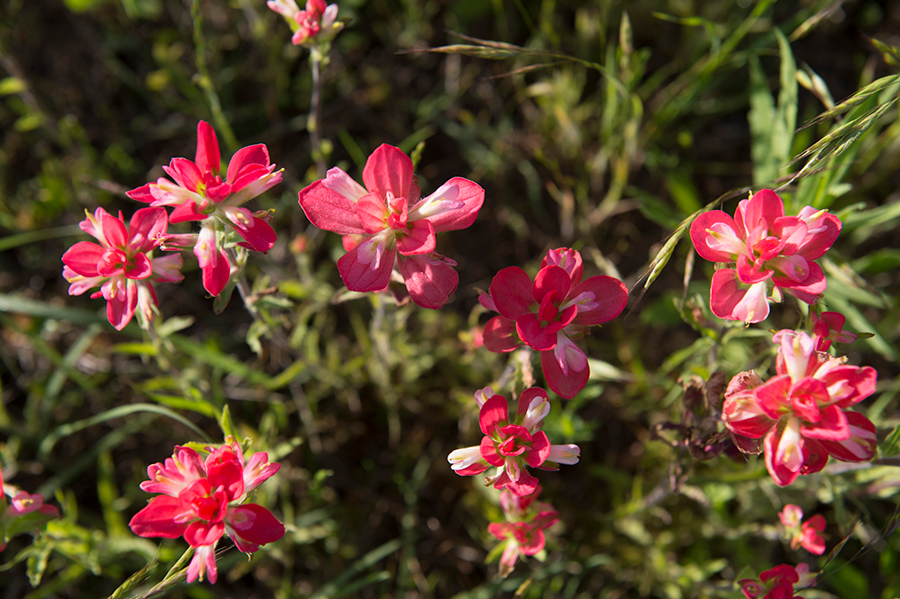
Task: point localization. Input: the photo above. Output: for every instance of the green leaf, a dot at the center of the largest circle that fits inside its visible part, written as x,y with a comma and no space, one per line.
65,430
891,445
11,85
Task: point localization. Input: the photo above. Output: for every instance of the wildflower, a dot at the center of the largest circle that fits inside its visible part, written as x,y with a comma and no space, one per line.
802,412
22,512
199,193
780,582
511,447
549,313
803,534
387,224
202,500
315,25
771,251
121,265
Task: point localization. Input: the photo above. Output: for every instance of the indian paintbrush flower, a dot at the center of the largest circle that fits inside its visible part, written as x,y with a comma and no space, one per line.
121,265
511,446
201,499
547,314
802,413
200,193
803,534
386,224
771,252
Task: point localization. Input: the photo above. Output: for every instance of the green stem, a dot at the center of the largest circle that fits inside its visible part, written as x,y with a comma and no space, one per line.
312,124
205,82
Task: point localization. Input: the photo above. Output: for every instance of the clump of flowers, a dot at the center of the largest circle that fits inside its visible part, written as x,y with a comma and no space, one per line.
203,500
802,413
121,265
771,252
511,445
523,530
548,313
778,583
200,193
389,229
803,534
22,512
317,24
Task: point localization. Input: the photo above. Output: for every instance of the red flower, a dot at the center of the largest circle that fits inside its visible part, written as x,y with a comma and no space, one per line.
201,194
121,264
387,223
512,447
548,313
769,249
802,413
803,534
202,501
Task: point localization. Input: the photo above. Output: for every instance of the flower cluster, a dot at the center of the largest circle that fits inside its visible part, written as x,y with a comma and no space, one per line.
778,583
200,193
317,24
771,252
512,446
523,529
122,265
202,500
22,512
802,412
548,313
803,534
388,225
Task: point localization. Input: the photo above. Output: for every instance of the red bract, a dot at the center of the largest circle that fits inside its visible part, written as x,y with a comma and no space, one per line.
770,251
828,328
387,223
802,412
202,501
201,194
523,530
121,264
513,446
547,314
778,583
803,534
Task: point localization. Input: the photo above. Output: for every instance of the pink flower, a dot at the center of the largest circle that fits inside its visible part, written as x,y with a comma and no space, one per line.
828,328
25,512
547,314
780,582
771,251
202,500
121,264
802,412
521,537
511,447
316,24
803,534
199,193
523,531
387,224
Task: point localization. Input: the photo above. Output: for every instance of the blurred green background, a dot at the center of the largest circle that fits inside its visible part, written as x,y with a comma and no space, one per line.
603,127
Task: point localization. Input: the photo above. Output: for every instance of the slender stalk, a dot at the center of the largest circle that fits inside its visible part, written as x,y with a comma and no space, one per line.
312,124
205,81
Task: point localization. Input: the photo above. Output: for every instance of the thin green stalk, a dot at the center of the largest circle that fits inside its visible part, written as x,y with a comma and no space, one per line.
312,124
205,81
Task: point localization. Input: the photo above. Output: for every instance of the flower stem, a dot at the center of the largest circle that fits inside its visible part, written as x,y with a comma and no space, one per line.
205,81
312,124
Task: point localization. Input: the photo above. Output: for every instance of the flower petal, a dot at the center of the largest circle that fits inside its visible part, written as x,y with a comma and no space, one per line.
467,193
157,519
208,158
418,238
329,210
368,266
565,385
610,298
511,290
500,335
388,169
430,279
